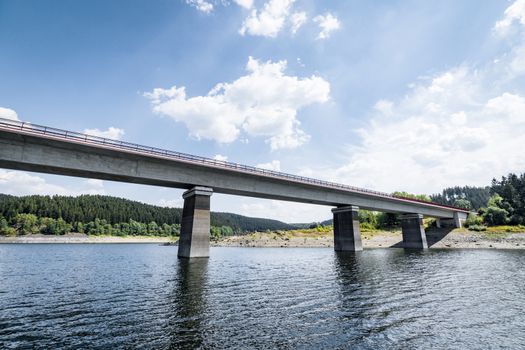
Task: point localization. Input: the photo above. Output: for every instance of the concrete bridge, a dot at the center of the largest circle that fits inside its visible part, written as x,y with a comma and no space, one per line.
30,147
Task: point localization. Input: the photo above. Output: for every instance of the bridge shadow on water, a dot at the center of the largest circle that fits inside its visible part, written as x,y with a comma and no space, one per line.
434,235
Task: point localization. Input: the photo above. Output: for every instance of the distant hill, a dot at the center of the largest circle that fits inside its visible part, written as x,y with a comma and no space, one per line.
88,208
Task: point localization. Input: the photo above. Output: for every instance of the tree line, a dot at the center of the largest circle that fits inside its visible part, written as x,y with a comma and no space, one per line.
501,203
106,215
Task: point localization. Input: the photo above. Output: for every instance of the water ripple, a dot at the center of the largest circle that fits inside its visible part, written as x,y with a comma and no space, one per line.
142,296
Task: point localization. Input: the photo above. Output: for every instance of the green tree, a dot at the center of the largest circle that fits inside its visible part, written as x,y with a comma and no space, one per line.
5,229
215,232
511,190
26,223
403,194
48,226
462,203
226,231
495,214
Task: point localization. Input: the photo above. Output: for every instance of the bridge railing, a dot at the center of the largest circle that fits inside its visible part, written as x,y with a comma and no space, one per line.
85,138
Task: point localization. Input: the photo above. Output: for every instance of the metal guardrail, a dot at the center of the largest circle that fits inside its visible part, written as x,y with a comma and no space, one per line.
147,150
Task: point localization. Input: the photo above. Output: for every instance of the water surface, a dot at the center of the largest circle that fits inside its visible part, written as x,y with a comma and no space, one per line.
142,296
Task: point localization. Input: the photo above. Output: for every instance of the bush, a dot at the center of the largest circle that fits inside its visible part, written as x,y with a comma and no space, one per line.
26,223
477,228
387,220
473,220
366,226
494,216
5,230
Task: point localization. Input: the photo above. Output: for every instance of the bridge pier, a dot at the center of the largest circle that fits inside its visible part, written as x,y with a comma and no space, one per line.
347,235
194,239
414,235
459,219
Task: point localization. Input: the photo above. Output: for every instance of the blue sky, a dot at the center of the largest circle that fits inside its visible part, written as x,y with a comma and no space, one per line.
389,95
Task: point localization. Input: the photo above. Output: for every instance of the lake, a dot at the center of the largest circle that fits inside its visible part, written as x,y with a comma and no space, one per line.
142,296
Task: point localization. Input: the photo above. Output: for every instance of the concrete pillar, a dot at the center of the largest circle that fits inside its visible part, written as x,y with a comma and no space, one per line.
347,235
413,231
438,223
458,219
194,239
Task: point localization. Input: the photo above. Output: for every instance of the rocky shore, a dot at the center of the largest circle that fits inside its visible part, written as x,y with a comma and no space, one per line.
437,238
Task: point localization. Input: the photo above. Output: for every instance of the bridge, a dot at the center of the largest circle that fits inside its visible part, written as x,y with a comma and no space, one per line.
30,147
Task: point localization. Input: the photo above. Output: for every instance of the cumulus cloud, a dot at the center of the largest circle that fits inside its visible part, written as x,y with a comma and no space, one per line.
274,165
461,126
220,158
515,13
268,21
201,5
111,133
297,19
328,23
20,183
8,113
247,4
265,102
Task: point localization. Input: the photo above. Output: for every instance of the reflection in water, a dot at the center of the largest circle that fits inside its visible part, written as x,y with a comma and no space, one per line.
189,304
141,296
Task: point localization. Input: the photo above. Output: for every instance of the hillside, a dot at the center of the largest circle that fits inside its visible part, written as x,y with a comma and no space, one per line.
115,211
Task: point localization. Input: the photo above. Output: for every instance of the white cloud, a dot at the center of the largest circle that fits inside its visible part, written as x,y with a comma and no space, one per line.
201,5
297,19
289,212
327,23
8,113
111,133
460,127
171,203
247,4
384,107
274,165
220,158
268,21
265,102
21,183
514,13
95,183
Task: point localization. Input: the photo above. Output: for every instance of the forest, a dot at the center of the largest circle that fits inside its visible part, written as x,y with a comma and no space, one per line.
501,203
106,215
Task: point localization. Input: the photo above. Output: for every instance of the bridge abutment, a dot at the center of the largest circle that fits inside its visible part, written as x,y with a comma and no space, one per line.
347,235
194,239
414,235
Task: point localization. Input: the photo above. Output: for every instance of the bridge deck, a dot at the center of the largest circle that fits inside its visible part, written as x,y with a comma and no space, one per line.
28,132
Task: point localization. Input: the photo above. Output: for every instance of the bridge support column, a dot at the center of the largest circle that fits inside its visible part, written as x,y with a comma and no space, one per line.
414,235
194,239
458,219
347,235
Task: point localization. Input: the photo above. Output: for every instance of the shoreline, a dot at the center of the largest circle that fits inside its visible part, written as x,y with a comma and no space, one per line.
437,238
79,238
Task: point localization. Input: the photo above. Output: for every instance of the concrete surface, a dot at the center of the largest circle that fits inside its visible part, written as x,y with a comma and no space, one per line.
413,231
195,225
25,151
347,235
